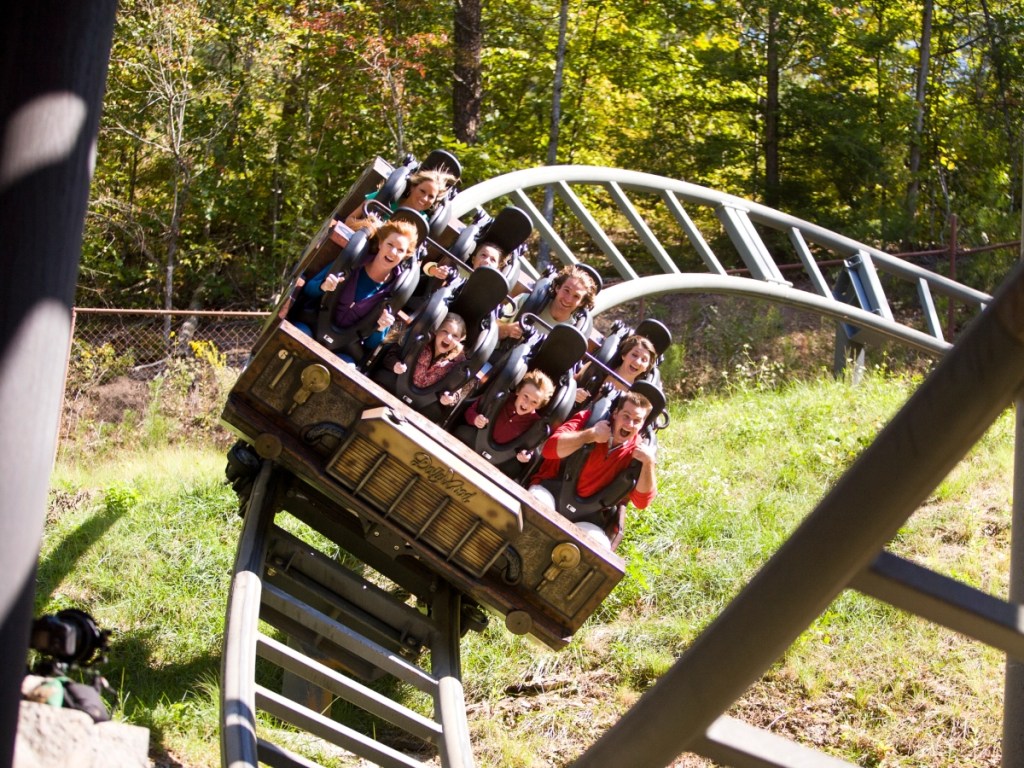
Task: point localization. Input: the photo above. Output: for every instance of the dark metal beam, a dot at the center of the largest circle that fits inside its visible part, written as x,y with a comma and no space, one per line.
945,601
53,66
732,742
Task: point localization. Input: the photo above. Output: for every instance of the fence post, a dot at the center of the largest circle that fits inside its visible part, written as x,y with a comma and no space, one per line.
950,313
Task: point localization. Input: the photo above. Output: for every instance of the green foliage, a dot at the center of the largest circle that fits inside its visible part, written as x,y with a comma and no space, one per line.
751,373
230,130
117,500
91,364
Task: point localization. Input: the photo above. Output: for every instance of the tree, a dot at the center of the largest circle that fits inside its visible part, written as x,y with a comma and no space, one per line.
178,111
556,119
771,109
467,89
388,47
805,105
920,93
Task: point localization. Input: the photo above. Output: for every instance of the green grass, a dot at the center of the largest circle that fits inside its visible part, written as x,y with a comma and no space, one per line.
144,540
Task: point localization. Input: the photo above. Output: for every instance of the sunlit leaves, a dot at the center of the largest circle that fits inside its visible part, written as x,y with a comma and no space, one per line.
258,114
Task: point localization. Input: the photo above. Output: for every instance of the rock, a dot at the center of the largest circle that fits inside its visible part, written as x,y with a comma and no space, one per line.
54,737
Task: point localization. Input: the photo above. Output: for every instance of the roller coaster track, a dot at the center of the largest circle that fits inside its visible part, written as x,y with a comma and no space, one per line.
341,623
843,279
349,620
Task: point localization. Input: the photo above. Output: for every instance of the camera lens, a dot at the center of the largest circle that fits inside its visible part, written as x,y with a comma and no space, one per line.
70,636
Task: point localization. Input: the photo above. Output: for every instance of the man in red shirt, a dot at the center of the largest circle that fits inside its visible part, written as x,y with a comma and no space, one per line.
613,445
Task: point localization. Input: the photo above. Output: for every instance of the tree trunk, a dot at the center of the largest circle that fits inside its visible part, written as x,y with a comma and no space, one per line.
53,65
172,253
997,44
914,163
771,112
543,257
188,328
467,91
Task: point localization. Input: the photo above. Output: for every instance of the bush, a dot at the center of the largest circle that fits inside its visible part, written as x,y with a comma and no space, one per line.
93,364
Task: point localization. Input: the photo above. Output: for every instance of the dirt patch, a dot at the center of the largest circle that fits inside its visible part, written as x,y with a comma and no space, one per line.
180,402
112,400
99,404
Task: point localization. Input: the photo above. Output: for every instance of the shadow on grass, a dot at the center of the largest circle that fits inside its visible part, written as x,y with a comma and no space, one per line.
186,691
63,560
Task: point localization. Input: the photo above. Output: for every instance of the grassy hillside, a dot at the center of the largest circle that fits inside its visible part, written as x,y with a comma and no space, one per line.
143,538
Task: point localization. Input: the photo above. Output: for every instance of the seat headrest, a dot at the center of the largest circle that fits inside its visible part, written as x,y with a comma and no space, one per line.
656,332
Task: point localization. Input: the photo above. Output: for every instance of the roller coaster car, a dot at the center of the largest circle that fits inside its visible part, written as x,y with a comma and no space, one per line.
388,182
477,304
557,355
326,247
401,486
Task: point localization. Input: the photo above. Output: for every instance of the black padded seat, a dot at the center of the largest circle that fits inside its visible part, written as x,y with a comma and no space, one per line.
539,297
557,355
509,231
305,309
478,306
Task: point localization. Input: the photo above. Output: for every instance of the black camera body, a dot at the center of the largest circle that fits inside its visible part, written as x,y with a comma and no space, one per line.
70,637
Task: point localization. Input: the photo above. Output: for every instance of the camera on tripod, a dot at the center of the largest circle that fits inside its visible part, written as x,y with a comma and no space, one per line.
66,640
69,638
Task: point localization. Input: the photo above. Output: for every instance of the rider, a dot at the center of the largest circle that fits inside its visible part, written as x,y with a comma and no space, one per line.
612,445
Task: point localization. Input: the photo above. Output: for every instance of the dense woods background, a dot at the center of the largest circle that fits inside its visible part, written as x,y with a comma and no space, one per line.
232,128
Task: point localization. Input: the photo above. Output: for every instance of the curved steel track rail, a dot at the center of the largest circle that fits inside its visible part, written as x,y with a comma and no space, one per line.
343,629
670,219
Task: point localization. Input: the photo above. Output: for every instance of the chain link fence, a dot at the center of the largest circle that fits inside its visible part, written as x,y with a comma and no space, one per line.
152,371
147,339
